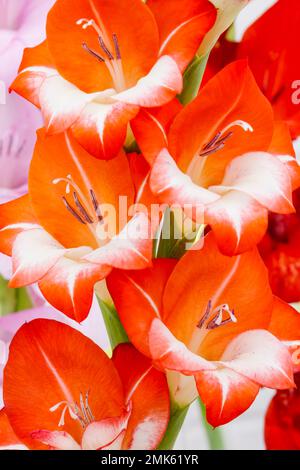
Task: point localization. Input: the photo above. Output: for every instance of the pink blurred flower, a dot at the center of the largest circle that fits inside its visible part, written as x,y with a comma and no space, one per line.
22,24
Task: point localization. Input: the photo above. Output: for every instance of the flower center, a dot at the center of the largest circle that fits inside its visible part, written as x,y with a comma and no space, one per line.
86,210
112,60
81,211
81,412
213,318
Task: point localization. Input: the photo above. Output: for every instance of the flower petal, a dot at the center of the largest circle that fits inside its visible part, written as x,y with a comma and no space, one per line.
7,435
144,292
148,391
34,253
238,222
182,27
130,249
161,85
69,286
56,440
226,394
270,186
260,357
205,275
13,223
174,187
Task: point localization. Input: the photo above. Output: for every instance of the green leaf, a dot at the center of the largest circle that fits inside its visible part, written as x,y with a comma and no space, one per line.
193,78
114,327
13,300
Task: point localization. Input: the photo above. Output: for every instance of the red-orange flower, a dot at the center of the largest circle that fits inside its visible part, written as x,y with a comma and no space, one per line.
212,322
220,156
67,234
271,45
74,397
281,253
103,60
282,424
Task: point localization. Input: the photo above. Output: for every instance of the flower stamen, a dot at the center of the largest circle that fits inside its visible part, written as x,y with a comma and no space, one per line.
217,319
218,141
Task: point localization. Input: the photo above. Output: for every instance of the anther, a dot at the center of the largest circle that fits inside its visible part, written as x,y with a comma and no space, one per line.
96,205
83,410
117,47
212,142
87,407
93,53
205,316
72,211
82,210
105,49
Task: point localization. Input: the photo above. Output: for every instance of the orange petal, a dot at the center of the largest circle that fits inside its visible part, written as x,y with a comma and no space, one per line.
253,358
285,321
158,87
238,221
69,286
41,373
7,435
36,66
150,128
101,128
149,395
182,27
226,394
17,214
143,290
270,186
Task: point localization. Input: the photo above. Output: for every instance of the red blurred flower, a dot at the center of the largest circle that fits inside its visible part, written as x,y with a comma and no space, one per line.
282,424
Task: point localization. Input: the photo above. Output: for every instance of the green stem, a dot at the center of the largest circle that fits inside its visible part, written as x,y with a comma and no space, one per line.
178,416
114,327
214,435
